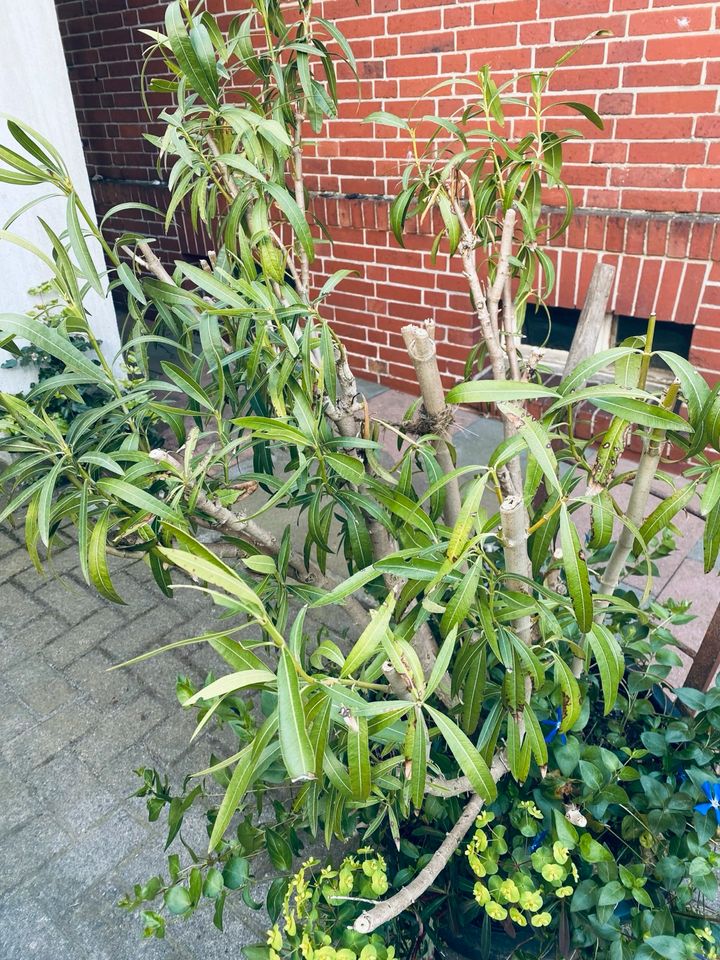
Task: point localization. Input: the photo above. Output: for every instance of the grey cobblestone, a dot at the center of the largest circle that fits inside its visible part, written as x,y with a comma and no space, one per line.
83,636
39,685
18,643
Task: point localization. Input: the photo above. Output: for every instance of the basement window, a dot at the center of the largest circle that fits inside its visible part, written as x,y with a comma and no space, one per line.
673,337
553,328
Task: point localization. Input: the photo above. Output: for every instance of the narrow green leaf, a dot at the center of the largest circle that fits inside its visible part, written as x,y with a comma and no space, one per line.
295,217
711,539
80,247
349,468
610,661
230,683
186,383
370,639
45,501
297,753
576,571
461,600
467,756
359,758
97,559
663,514
442,661
137,498
644,414
194,69
51,341
243,775
494,391
419,760
219,575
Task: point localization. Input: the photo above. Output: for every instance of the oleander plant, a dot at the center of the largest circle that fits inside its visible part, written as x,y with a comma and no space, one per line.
492,714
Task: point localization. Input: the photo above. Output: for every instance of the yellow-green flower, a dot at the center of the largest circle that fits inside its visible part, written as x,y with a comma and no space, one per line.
541,919
481,893
495,910
531,900
345,954
274,938
564,892
530,807
704,933
326,953
560,852
306,947
368,952
552,872
509,891
574,869
345,881
379,883
517,917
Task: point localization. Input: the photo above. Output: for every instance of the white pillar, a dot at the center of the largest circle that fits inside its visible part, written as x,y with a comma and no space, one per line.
34,87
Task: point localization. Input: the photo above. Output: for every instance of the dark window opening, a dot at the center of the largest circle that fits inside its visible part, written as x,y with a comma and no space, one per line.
670,336
551,327
554,328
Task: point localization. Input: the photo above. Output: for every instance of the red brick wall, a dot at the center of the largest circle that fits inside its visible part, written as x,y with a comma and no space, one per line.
647,187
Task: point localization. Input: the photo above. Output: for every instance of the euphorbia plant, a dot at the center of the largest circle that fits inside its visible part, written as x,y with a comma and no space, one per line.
478,616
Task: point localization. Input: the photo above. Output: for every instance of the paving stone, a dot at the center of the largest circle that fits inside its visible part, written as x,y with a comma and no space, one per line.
42,741
97,853
14,564
120,727
85,634
94,680
15,716
151,629
19,803
28,848
28,931
19,607
40,685
370,389
64,595
72,792
8,543
18,643
114,934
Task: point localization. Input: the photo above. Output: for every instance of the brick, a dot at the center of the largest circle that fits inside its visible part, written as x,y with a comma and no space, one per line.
662,75
676,101
615,103
653,22
647,288
691,47
626,285
692,288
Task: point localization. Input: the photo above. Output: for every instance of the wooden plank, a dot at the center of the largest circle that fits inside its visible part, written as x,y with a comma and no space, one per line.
593,316
706,663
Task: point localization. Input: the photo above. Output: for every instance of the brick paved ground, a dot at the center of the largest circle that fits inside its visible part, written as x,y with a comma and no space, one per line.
71,734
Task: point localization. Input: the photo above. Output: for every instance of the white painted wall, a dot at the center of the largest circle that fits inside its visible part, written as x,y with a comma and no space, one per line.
34,87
